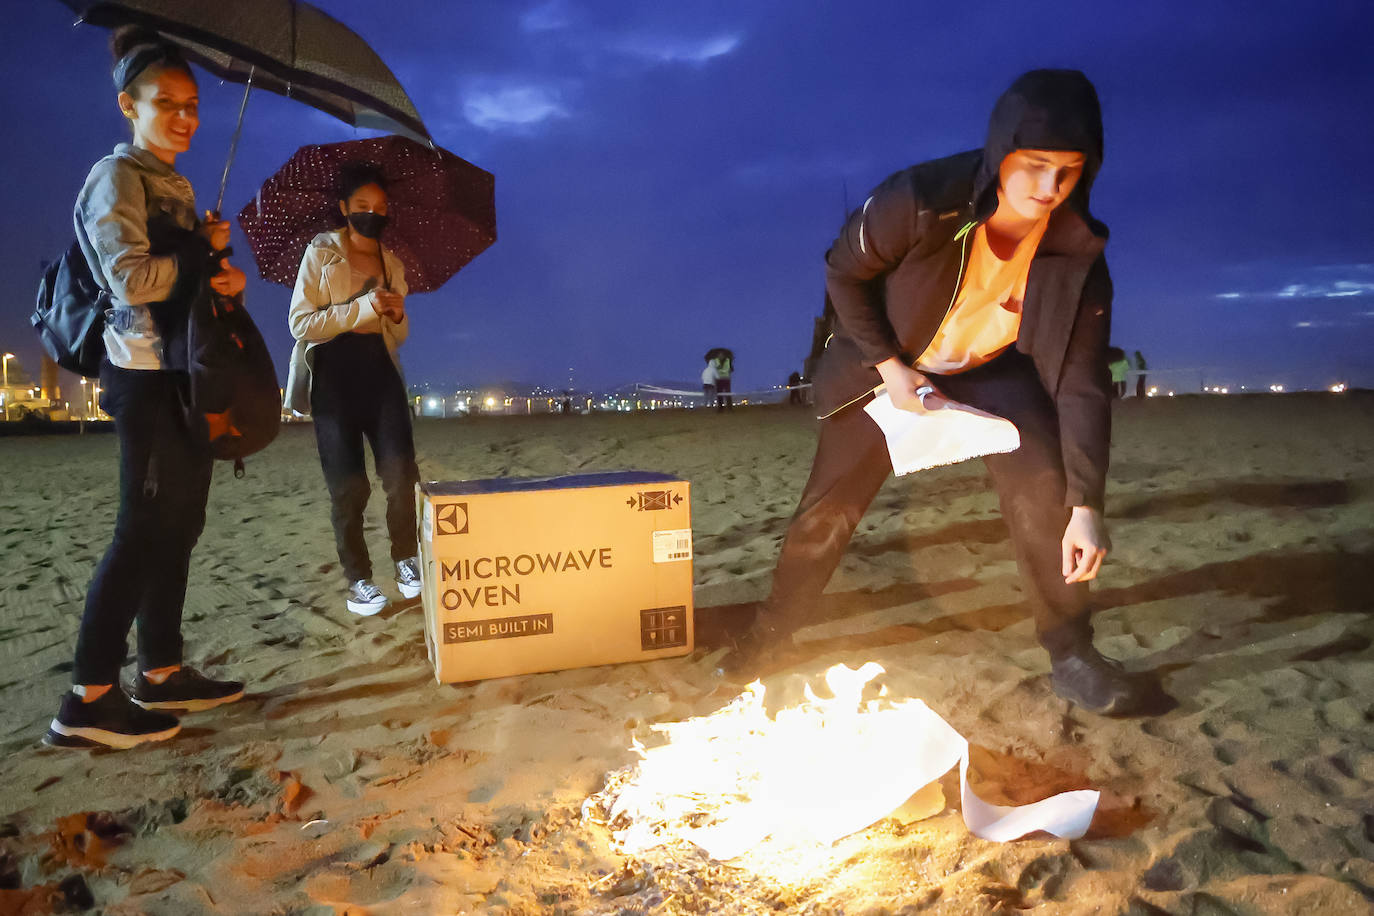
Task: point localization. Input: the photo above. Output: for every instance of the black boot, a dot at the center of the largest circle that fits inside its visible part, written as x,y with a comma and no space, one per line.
759,651
1091,681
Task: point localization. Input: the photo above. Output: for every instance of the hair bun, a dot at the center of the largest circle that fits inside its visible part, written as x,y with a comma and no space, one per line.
127,37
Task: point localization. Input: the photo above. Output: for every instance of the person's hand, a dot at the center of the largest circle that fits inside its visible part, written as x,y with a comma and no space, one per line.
1085,545
229,282
389,305
902,383
215,231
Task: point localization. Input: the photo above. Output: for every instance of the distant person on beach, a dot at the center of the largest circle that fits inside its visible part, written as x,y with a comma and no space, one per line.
981,275
137,225
1118,365
794,389
724,364
1140,389
708,384
349,320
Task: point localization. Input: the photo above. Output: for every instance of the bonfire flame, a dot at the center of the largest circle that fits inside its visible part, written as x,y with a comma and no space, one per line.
814,773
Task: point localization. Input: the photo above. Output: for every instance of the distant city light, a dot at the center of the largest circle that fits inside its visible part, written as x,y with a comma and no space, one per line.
433,404
490,402
1277,389
1152,392
1337,389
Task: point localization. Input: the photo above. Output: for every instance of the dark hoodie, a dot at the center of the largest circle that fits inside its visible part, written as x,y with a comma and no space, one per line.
895,269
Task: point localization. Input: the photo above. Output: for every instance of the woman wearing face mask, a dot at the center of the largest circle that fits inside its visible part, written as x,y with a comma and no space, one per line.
348,318
136,223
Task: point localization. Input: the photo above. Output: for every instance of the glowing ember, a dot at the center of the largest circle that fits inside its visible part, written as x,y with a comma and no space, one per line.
812,774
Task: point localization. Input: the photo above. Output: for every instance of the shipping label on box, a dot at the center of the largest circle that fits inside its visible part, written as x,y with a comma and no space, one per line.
540,574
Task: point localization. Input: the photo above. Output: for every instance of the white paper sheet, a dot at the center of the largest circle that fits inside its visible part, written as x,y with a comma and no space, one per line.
943,432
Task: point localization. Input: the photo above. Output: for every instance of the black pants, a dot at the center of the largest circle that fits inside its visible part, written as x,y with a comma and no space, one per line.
852,463
164,481
723,398
356,394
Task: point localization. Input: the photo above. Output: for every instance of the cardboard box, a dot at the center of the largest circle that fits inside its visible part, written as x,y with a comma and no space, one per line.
541,574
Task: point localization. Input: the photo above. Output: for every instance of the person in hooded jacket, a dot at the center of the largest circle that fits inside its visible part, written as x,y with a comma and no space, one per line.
981,275
137,226
348,317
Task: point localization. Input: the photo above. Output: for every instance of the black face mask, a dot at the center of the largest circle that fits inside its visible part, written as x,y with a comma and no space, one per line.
368,225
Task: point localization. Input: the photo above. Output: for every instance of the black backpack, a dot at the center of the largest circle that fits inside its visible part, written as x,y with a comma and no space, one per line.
70,315
234,393
234,398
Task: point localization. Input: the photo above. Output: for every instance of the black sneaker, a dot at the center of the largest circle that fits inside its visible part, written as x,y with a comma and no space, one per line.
111,721
185,689
757,654
1090,680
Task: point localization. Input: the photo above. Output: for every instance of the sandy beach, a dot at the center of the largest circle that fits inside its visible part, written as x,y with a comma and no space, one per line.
349,782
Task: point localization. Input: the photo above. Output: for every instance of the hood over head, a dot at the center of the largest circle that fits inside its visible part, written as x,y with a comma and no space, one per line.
1043,109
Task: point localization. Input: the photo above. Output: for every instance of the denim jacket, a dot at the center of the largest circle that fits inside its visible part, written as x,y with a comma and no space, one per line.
129,198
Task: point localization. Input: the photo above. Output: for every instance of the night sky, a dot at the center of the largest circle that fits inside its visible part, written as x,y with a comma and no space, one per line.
669,176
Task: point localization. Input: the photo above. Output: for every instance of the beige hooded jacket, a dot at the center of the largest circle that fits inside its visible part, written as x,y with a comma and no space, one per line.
323,307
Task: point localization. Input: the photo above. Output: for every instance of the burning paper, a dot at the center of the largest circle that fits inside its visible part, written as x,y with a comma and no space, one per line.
812,774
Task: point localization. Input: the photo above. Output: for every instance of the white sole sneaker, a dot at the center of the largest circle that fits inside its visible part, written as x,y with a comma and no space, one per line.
366,608
411,590
188,705
60,735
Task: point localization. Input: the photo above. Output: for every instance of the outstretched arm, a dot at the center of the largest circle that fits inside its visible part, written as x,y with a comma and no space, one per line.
1085,428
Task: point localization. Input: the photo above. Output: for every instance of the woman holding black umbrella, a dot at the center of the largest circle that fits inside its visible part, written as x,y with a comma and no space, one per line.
348,318
137,225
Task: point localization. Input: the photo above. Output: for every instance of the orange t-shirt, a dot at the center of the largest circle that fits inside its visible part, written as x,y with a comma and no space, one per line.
986,316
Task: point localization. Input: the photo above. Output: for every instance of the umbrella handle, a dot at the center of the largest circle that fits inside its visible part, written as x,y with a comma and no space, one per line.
234,143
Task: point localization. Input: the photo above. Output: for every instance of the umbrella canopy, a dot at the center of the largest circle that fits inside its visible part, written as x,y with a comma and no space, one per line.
442,208
286,46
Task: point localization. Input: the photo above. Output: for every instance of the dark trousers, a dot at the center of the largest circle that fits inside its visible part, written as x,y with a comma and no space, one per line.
723,398
852,464
164,481
356,394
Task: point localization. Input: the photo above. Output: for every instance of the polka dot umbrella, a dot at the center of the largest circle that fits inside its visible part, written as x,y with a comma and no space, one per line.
442,209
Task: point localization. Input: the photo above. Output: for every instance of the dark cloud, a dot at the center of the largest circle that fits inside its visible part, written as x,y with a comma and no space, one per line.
669,175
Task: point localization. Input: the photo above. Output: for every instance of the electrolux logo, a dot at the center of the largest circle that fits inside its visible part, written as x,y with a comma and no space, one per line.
451,519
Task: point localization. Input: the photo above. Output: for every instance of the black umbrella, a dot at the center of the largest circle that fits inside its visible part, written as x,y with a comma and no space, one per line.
285,46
